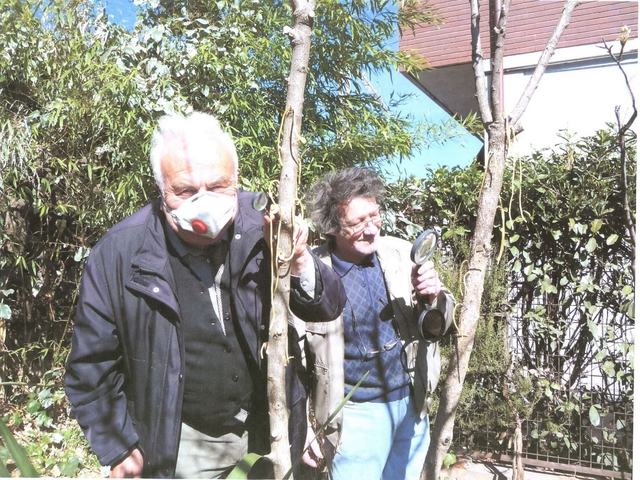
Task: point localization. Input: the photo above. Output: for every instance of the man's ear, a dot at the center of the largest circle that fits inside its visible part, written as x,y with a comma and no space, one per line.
162,204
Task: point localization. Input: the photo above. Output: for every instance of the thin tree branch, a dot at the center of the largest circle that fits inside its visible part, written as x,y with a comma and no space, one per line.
497,62
543,62
622,145
478,65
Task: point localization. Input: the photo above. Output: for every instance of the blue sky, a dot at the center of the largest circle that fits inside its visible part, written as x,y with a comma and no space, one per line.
459,151
121,11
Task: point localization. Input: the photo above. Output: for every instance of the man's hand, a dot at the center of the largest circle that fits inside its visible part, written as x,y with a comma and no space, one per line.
301,254
130,467
300,236
313,455
425,281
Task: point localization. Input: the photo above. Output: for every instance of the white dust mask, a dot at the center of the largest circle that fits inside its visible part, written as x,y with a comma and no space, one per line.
206,213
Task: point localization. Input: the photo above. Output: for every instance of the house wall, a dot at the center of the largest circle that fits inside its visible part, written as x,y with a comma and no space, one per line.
578,92
579,97
529,26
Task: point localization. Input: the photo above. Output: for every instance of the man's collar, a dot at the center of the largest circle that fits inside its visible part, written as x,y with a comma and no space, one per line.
342,267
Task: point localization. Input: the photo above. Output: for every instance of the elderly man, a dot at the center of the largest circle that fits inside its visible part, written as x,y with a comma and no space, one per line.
383,431
165,375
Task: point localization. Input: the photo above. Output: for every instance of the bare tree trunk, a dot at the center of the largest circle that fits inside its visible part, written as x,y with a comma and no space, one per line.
500,129
470,310
300,37
518,468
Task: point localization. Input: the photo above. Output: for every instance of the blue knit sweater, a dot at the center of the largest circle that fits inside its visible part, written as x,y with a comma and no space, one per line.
371,340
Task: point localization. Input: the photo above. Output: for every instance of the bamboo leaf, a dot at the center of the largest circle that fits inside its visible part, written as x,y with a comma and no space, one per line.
3,471
325,424
18,454
242,469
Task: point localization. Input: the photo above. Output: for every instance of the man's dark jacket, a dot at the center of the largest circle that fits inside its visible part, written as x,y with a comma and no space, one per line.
125,373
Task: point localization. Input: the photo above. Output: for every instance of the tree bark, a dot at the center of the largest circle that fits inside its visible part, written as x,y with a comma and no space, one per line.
518,467
499,130
300,38
470,310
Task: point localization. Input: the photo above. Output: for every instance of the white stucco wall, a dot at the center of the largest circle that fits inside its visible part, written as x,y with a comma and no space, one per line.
578,92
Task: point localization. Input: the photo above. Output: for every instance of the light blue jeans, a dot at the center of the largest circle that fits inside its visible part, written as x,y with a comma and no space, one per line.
385,441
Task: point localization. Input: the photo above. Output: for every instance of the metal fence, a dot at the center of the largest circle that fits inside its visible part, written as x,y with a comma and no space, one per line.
583,424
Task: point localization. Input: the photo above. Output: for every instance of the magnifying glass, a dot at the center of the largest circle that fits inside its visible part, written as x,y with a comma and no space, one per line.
260,201
424,246
431,321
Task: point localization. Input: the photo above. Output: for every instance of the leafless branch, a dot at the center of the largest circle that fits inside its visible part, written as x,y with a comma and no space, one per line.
477,59
543,62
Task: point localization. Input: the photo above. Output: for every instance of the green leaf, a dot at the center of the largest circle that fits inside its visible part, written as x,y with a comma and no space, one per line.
596,225
5,311
71,467
594,416
591,245
546,286
244,466
33,406
18,454
156,34
611,239
448,460
593,328
609,368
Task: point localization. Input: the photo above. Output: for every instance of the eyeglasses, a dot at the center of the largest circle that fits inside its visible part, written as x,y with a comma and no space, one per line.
360,227
369,353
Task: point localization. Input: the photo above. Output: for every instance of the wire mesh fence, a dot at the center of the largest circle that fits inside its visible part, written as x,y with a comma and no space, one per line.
581,418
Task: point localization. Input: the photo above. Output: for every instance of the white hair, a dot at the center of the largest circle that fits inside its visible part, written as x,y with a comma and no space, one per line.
200,132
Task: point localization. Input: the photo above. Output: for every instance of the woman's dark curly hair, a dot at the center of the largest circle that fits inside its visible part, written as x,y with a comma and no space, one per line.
330,194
